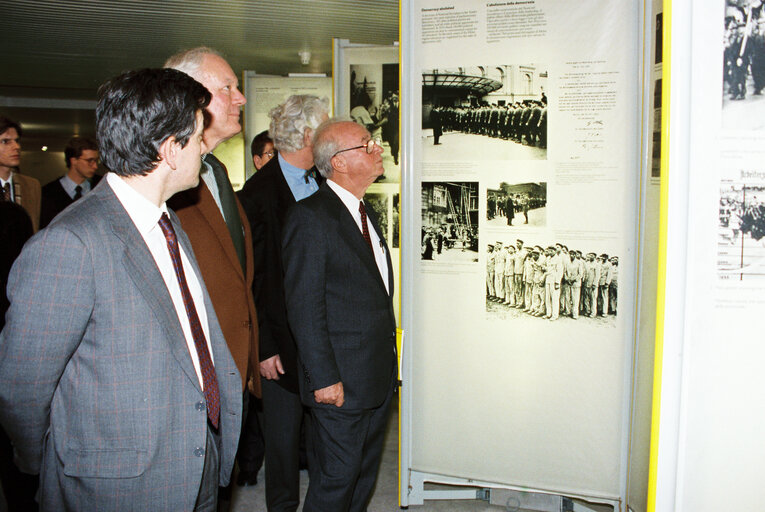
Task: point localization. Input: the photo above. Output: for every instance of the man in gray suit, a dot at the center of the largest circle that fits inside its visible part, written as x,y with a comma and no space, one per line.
338,285
116,384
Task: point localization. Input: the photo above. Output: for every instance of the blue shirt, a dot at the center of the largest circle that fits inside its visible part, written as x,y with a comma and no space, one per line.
70,186
296,179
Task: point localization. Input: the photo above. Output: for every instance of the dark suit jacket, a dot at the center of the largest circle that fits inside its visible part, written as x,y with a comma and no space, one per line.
229,287
55,199
339,311
99,391
266,197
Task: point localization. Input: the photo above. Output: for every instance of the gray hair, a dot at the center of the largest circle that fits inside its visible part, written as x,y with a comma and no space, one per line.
325,146
291,119
189,61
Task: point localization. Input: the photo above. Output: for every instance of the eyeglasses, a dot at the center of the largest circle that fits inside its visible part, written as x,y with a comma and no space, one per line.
369,146
91,161
269,154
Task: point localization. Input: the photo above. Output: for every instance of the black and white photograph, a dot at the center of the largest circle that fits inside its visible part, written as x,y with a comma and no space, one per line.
551,281
374,103
743,103
485,113
516,205
450,222
656,132
741,231
380,204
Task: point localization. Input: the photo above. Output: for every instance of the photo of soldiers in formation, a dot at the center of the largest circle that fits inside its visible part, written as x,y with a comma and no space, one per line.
498,111
517,205
741,233
744,63
550,282
449,222
378,110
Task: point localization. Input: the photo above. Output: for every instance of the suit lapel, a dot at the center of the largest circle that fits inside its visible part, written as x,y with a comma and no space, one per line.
211,213
143,271
349,231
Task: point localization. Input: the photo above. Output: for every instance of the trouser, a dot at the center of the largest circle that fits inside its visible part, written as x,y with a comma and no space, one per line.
612,291
528,289
348,448
499,284
282,418
251,450
592,300
604,299
518,278
539,298
207,499
490,284
552,300
574,292
509,291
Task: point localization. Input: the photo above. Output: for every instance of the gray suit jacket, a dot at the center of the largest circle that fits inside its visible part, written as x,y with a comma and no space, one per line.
97,388
338,309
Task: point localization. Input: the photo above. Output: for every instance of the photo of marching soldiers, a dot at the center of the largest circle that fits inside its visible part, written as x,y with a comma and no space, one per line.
374,104
522,204
551,282
450,222
498,112
744,65
741,235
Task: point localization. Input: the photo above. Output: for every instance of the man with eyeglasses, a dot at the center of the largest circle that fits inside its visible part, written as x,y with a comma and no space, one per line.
81,157
268,194
338,284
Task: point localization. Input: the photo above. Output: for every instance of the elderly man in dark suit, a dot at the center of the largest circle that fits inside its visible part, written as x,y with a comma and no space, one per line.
115,379
266,197
338,283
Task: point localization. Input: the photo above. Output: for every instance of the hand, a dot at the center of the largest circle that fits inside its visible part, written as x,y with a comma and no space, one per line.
271,368
333,395
557,285
251,385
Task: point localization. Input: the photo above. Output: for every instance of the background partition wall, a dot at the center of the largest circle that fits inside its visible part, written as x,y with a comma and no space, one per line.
522,121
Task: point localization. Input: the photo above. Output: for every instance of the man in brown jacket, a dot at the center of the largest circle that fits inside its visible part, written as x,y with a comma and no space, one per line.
214,220
15,187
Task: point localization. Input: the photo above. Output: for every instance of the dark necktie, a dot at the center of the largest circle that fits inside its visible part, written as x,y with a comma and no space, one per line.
77,192
228,205
7,192
364,227
209,379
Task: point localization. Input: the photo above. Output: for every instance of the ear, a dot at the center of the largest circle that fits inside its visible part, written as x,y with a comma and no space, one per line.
256,161
339,164
168,151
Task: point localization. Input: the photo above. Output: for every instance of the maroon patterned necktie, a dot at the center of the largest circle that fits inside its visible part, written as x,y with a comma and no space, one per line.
364,227
205,361
7,192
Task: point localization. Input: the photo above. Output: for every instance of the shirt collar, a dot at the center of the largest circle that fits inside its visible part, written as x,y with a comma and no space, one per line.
349,200
290,169
144,214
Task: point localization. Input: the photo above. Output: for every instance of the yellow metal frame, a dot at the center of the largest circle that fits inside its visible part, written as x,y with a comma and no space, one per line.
662,263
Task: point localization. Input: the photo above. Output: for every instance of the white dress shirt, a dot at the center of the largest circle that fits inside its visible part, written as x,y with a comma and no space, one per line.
352,203
145,215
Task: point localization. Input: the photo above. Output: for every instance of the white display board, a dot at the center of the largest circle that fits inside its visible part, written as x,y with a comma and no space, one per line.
366,84
710,453
493,395
264,92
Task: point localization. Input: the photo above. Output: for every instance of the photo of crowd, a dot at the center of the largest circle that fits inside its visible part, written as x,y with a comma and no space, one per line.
522,204
741,234
449,222
550,282
744,65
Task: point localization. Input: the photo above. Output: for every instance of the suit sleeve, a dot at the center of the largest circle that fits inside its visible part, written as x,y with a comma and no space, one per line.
262,238
51,290
305,253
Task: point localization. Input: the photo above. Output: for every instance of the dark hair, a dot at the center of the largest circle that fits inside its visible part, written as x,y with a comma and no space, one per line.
76,146
6,124
259,143
138,110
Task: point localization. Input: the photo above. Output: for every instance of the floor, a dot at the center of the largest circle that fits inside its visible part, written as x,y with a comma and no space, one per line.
385,499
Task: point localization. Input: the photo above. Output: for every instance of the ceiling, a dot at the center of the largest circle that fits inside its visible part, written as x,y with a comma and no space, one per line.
55,53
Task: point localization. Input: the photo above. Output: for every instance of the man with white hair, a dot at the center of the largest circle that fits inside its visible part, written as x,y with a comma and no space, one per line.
214,219
266,196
